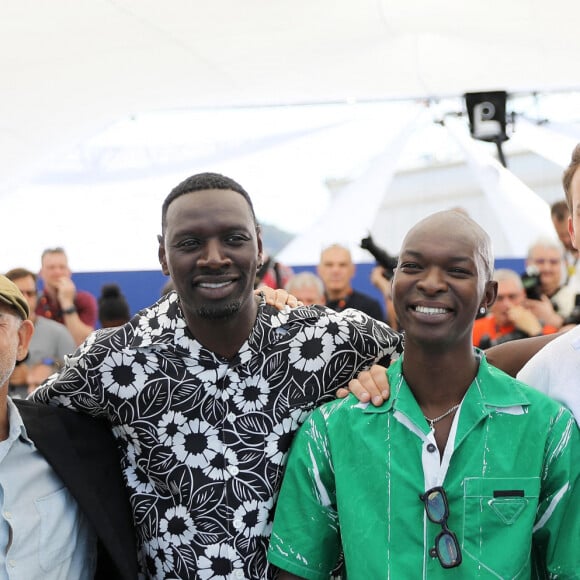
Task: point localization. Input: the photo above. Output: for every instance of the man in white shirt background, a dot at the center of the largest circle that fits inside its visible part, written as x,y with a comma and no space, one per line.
555,370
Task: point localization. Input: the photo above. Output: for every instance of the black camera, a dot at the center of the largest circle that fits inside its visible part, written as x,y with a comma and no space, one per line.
383,258
574,316
532,284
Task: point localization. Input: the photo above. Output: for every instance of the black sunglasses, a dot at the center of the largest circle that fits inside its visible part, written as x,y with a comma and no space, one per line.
446,543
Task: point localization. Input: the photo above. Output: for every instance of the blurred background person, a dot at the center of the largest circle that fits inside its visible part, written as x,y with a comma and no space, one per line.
509,318
307,287
545,257
336,270
560,216
49,344
61,301
380,280
113,306
273,273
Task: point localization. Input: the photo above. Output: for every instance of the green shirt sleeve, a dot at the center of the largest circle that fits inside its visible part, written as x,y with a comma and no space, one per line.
305,537
557,528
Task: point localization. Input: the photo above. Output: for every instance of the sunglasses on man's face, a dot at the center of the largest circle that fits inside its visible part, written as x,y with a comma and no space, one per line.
446,543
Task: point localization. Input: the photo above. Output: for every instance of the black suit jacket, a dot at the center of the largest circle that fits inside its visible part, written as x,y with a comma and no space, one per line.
83,452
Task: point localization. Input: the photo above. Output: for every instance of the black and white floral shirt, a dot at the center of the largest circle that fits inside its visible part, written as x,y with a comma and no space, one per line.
204,440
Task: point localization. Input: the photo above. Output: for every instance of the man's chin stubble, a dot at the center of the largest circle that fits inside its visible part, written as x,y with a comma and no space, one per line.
219,313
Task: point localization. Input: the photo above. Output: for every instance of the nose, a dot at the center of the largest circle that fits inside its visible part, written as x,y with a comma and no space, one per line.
432,281
213,255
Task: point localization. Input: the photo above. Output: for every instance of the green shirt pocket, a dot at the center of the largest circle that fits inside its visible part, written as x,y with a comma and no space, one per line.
498,520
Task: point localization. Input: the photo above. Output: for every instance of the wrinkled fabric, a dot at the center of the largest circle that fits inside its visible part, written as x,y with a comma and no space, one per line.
510,470
204,440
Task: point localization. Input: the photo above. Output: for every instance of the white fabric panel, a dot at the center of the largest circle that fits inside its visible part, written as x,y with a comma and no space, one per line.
545,141
351,214
523,215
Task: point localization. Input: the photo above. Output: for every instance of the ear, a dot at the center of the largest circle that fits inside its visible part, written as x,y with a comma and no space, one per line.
260,246
571,231
162,256
25,333
490,294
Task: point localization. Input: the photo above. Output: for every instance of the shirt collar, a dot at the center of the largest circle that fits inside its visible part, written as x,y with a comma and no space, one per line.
162,326
498,394
16,427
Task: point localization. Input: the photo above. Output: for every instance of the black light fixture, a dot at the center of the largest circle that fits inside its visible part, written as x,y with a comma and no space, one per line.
487,117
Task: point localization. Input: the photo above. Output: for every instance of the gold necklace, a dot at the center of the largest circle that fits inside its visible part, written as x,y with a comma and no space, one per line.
437,419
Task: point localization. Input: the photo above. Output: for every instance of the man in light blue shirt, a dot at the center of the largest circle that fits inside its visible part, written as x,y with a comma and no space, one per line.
44,532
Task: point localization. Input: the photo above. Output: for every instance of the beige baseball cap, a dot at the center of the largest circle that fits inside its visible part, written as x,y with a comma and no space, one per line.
9,294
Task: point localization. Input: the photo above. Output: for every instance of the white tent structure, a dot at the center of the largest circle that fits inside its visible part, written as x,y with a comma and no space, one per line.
386,204
74,68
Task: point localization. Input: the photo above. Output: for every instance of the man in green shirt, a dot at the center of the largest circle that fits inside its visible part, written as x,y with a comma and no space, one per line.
465,472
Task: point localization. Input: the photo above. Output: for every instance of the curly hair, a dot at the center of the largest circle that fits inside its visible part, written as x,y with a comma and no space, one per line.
203,182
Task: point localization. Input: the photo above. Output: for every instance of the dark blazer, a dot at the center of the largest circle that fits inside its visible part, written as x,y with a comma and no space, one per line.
83,452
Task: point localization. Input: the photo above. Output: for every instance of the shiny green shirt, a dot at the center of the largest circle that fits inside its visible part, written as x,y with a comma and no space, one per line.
510,469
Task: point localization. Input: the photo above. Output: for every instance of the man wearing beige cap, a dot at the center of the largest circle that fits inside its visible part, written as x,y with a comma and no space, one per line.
47,530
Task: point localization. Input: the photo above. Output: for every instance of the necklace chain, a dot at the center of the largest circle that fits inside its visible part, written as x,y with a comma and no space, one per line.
437,419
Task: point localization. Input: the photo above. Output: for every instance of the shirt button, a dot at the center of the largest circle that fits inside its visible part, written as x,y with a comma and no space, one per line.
233,470
12,563
237,524
8,515
433,553
231,417
431,448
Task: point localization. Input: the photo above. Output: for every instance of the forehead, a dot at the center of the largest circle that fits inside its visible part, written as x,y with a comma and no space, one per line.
543,251
443,235
336,255
209,208
24,282
7,312
54,258
307,291
508,286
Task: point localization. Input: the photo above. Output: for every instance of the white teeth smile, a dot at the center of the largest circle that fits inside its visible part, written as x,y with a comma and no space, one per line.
428,310
214,284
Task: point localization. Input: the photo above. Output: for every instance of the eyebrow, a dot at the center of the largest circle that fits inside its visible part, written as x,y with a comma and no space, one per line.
9,315
454,259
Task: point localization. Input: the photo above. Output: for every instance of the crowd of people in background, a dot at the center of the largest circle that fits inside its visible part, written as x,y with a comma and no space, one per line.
197,397
540,300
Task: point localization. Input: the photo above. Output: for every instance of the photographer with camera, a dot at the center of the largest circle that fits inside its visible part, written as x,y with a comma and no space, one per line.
380,280
509,317
550,300
381,276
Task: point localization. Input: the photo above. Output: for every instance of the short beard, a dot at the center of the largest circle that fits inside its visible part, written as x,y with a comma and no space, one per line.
219,312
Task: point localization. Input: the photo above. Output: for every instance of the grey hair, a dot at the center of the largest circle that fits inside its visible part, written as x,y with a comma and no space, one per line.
546,242
305,280
505,274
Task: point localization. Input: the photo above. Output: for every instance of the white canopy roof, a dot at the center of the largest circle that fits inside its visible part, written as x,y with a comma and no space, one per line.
72,68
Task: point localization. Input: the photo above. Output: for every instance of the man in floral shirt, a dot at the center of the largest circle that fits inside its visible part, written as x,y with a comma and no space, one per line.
205,389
